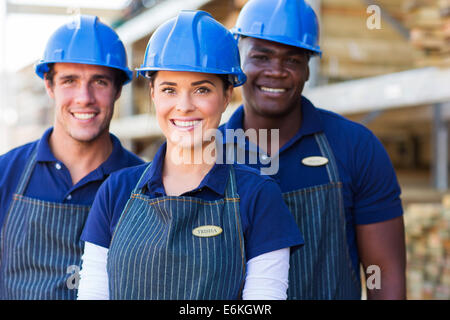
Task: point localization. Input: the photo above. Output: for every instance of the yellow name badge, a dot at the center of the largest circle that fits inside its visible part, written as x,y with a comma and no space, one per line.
315,161
207,231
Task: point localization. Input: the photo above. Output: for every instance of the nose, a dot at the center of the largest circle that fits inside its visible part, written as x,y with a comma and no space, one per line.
276,69
85,95
185,103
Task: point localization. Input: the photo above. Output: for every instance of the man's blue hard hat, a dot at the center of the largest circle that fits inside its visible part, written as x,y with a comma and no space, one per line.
194,42
85,40
290,22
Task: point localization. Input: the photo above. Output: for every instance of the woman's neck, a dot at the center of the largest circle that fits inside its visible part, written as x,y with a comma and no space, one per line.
184,169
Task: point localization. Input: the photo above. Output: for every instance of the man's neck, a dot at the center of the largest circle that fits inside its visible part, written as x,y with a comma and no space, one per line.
80,158
184,170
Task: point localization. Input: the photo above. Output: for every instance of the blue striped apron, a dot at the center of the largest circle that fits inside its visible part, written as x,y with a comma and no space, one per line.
154,254
322,269
40,246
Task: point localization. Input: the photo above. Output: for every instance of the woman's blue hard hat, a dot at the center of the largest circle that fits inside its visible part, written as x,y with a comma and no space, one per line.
195,42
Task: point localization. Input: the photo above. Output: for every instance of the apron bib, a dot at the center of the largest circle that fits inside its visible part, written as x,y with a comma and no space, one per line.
322,269
40,246
154,253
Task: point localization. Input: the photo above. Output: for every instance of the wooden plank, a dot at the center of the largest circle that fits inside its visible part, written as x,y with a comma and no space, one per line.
335,68
342,26
367,50
411,116
403,89
434,39
239,3
394,7
426,17
342,3
219,9
441,61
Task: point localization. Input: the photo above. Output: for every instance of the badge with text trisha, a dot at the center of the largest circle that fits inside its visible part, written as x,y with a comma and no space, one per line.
315,161
207,231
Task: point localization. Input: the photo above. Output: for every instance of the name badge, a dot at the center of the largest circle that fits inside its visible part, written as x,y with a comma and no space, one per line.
207,231
315,161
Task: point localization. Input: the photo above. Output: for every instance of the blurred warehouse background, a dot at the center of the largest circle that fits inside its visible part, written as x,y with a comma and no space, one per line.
386,64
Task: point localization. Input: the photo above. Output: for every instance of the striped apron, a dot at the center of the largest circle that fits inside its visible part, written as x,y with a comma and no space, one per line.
322,269
155,255
40,246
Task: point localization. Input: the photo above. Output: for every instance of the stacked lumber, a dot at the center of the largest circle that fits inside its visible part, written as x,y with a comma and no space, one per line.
351,50
428,250
429,22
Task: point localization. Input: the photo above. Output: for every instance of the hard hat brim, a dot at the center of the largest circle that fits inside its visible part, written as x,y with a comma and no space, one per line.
239,78
42,67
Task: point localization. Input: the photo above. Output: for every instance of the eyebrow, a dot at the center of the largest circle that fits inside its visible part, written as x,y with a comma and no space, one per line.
293,52
65,77
202,82
261,49
94,77
167,83
102,76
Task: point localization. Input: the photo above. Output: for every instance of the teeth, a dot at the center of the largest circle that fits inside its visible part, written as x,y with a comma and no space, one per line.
275,90
84,116
186,124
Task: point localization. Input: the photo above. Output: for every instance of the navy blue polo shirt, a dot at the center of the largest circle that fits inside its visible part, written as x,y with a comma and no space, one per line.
370,188
51,180
266,221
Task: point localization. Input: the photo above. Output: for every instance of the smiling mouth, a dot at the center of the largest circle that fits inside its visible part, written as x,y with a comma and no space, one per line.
84,116
184,124
272,90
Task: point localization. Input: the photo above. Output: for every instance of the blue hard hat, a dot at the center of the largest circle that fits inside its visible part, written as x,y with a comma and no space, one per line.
85,40
195,42
290,22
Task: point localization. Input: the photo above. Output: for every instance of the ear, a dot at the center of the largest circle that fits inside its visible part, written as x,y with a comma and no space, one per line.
49,87
307,72
119,93
228,94
152,90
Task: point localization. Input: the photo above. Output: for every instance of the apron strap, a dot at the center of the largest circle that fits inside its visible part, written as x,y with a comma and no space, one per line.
231,189
26,174
136,188
326,151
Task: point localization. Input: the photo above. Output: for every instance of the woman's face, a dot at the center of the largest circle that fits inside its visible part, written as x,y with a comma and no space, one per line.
189,106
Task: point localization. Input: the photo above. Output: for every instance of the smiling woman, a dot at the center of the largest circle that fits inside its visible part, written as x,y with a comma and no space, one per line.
189,108
188,229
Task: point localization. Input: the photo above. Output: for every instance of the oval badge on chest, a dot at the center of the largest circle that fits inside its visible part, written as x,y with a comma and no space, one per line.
315,161
207,231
